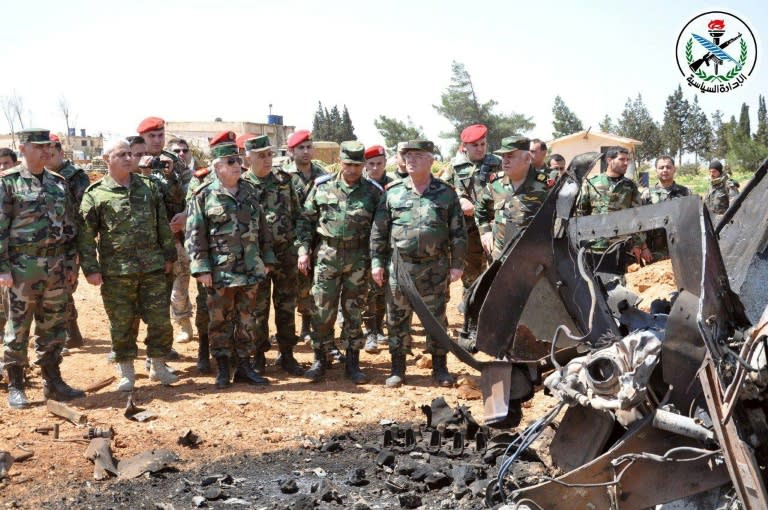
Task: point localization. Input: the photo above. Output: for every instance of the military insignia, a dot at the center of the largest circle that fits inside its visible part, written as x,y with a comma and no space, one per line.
323,178
541,178
202,172
393,183
378,186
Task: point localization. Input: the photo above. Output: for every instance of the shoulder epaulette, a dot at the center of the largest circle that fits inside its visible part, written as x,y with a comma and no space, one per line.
323,178
202,187
392,184
378,186
10,171
56,174
201,172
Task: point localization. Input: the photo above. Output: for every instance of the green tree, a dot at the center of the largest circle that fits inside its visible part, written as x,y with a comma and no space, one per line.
636,122
674,130
607,126
744,153
394,131
698,139
461,106
744,126
719,145
565,122
761,136
347,130
332,126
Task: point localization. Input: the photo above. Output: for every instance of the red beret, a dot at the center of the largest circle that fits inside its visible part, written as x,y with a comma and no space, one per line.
54,138
374,151
242,138
300,136
150,124
223,137
473,133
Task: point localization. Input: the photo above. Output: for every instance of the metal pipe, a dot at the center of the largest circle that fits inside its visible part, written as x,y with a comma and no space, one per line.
682,425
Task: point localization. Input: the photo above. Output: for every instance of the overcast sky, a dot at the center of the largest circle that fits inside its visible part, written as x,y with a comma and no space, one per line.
117,63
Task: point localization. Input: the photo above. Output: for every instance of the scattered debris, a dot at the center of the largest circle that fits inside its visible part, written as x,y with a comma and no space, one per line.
189,439
66,412
132,412
150,461
94,432
99,385
289,486
100,453
6,461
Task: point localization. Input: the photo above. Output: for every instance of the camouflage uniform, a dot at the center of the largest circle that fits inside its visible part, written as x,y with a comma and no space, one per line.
469,179
375,302
199,178
226,237
720,193
341,216
429,231
502,208
37,232
303,186
278,199
657,239
134,243
181,306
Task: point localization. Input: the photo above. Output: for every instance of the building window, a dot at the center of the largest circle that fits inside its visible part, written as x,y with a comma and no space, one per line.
84,143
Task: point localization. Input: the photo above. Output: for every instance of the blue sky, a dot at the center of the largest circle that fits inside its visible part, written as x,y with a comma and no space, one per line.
194,60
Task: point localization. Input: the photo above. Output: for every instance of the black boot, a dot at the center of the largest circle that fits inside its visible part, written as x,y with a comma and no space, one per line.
222,375
54,387
203,355
352,370
306,326
16,397
259,363
246,374
316,372
74,337
288,362
397,378
440,371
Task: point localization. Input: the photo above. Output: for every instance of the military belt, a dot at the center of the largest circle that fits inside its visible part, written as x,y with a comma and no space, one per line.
32,250
420,260
346,244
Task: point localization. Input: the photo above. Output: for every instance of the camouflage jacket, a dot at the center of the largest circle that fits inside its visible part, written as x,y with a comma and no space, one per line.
601,194
77,180
226,235
301,184
469,178
659,193
502,207
35,216
385,179
127,226
720,192
423,226
397,176
171,185
280,203
334,210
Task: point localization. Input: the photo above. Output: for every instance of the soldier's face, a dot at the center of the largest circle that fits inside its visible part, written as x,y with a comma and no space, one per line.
557,165
138,151
418,162
714,173
228,170
400,161
351,172
259,162
537,154
620,163
375,167
476,150
182,151
665,171
6,162
515,164
302,153
36,155
119,160
57,158
155,141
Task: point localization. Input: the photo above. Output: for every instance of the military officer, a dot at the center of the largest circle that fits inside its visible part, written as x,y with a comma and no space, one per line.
421,216
538,150
339,211
722,189
303,172
8,159
77,181
557,166
230,251
123,220
37,266
511,198
665,189
400,172
278,199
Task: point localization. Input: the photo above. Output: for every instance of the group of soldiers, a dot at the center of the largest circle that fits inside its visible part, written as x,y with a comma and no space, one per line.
257,236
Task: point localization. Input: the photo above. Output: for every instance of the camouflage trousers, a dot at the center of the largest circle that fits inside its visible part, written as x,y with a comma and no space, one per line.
340,274
375,308
232,323
38,292
181,306
476,260
305,303
70,316
281,284
201,311
128,298
430,279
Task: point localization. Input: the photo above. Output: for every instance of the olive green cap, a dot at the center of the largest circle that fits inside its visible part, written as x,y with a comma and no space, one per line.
35,135
514,143
401,146
352,152
418,145
257,144
223,150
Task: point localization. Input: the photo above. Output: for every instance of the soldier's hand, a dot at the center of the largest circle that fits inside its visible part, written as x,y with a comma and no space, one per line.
6,280
178,222
467,206
205,280
456,274
94,278
168,267
304,264
378,276
487,241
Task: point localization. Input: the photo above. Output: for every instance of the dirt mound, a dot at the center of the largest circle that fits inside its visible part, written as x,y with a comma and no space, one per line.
654,281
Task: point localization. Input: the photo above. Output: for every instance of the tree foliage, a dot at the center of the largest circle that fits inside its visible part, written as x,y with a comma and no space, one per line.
564,122
744,126
761,136
394,131
675,124
460,104
698,131
636,122
607,126
333,125
719,145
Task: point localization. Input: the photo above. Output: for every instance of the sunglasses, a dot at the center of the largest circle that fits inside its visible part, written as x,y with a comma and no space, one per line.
177,151
234,161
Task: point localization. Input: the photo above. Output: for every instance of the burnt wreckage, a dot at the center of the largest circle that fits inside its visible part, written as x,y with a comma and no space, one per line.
653,407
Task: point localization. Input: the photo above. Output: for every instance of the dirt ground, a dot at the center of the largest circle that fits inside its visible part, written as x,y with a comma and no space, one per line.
655,281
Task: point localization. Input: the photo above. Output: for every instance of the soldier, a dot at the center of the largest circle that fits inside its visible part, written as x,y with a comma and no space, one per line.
339,210
472,169
375,306
557,166
538,151
665,189
607,192
37,264
8,159
124,222
722,189
422,217
278,199
512,197
77,181
303,173
400,172
229,245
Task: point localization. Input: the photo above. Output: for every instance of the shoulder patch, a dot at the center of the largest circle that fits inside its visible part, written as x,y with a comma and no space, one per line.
378,186
541,177
323,178
10,171
392,184
201,172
